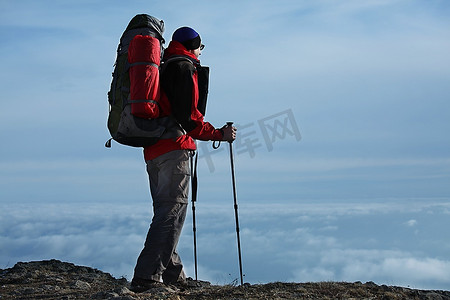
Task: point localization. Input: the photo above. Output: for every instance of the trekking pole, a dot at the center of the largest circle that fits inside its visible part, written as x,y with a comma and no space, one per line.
235,207
194,199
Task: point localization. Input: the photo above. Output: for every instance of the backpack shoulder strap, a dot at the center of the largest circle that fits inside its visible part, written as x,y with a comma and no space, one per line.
166,62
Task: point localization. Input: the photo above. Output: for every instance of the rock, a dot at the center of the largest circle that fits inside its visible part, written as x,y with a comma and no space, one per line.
54,279
434,296
79,284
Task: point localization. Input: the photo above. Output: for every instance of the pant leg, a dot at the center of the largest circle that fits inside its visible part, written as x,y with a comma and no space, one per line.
174,271
169,182
169,176
159,254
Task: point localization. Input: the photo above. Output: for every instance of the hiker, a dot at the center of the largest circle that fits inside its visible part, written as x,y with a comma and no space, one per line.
183,83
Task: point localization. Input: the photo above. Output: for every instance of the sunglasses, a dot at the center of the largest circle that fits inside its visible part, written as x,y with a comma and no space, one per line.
202,47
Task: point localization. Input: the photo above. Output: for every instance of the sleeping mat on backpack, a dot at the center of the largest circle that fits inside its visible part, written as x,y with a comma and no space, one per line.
144,56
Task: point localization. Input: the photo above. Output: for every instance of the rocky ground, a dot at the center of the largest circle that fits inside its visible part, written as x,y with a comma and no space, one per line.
54,279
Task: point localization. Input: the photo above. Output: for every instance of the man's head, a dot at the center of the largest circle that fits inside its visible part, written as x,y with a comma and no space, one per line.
189,38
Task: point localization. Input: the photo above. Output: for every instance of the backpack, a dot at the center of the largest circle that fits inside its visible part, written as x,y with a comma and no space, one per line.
135,116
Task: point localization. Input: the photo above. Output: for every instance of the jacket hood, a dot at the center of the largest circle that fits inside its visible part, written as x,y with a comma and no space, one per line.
176,48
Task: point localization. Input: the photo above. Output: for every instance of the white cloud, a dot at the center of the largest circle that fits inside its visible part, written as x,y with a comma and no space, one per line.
415,269
381,266
411,223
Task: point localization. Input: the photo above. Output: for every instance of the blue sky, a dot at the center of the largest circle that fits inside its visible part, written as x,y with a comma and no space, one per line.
365,83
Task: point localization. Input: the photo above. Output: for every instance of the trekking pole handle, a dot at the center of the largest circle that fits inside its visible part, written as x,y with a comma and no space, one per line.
230,124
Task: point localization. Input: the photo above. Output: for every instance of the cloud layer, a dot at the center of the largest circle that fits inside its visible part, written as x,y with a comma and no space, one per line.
280,242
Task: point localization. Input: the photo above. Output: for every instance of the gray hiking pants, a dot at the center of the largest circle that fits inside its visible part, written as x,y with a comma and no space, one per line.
169,176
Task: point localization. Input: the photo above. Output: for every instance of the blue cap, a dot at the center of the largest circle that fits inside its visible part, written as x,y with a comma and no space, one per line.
188,37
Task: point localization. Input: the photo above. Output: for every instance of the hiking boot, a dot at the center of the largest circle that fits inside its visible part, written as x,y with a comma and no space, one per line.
139,285
190,283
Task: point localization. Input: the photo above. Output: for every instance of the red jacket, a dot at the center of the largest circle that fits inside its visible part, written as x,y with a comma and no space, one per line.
179,83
